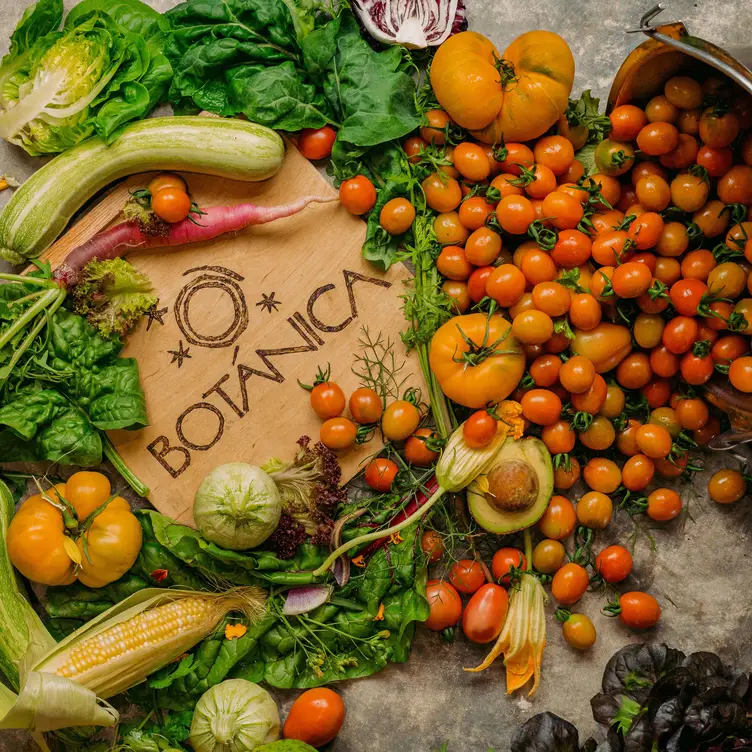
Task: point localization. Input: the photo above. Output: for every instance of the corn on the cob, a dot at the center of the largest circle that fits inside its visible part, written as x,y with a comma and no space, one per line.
122,651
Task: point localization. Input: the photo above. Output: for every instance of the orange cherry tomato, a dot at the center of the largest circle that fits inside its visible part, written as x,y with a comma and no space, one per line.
357,195
413,147
466,575
442,193
614,564
417,450
637,472
476,285
626,122
327,400
397,215
479,429
664,504
657,138
445,605
654,441
474,211
566,476
432,545
551,298
559,437
517,156
365,406
602,475
338,433
505,285
483,246
171,204
453,263
569,584
555,152
167,180
459,295
449,230
639,610
434,131
471,161
541,406
315,717
594,510
400,419
504,560
380,474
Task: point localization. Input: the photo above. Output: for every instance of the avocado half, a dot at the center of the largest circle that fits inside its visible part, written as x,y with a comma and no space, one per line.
528,493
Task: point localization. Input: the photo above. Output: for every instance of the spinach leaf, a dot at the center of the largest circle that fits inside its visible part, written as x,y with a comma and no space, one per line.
370,92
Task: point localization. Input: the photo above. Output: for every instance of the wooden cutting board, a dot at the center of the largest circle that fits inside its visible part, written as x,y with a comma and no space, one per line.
239,320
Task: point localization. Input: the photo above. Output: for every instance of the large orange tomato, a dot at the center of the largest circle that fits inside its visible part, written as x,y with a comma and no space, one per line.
77,530
516,96
476,359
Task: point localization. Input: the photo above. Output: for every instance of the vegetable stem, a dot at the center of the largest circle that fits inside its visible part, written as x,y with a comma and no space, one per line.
117,461
53,296
528,550
28,280
368,537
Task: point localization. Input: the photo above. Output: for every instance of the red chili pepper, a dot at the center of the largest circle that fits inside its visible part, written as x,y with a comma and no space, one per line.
158,575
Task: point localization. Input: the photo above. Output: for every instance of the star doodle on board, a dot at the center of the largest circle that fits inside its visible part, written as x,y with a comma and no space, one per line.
180,354
155,314
269,302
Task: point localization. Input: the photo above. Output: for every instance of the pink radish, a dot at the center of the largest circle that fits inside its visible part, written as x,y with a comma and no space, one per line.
215,221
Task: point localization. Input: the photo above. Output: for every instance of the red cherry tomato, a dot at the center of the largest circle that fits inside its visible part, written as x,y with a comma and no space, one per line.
466,575
504,560
316,717
380,474
485,614
614,564
317,143
444,603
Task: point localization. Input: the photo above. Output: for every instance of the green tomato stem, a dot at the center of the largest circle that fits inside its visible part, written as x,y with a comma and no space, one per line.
119,464
345,547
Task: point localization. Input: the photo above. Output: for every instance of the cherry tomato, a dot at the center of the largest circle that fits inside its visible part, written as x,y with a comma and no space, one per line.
727,486
585,311
703,436
648,329
417,451
563,211
577,374
400,419
579,631
171,204
698,264
485,614
515,214
476,285
413,147
517,154
380,474
740,374
689,121
466,575
471,161
728,349
555,152
659,110
613,157
357,194
653,192
365,406
613,404
716,161
445,605
712,219
533,327
453,263
683,92
167,180
611,248
548,556
657,138
696,370
609,186
727,280
559,520
572,248
672,467
680,334
631,279
686,295
315,717
626,122
639,610
327,400
634,371
474,211
614,564
666,417
646,169
317,143
602,475
735,187
684,155
551,298
544,370
637,472
504,184
537,266
664,504
479,429
559,437
600,435
434,131
397,215
432,545
718,129
566,476
338,433
541,406
570,583
449,230
459,295
505,285
646,230
442,193
504,560
594,510
483,246
654,441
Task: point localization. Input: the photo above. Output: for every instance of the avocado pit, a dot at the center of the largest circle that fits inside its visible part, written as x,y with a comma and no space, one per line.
513,486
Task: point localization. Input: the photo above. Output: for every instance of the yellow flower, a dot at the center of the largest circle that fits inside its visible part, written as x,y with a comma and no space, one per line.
380,614
233,631
395,538
523,637
359,561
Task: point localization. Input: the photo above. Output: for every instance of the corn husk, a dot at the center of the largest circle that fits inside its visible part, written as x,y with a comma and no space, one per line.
460,464
523,637
48,701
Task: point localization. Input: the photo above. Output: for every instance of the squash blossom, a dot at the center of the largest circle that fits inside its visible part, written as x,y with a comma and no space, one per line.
458,466
523,638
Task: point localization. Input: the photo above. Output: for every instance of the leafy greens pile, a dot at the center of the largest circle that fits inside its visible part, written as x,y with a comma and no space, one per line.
104,68
655,698
287,65
370,622
68,386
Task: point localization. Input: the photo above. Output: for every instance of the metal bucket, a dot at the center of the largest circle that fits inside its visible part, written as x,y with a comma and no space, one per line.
670,50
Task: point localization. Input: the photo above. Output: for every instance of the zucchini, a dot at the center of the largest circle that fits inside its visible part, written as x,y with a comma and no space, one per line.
42,207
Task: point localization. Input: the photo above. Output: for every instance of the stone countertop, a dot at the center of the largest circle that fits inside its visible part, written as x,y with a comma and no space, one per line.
700,565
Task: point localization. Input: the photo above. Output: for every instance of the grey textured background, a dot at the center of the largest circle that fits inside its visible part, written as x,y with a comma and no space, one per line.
700,570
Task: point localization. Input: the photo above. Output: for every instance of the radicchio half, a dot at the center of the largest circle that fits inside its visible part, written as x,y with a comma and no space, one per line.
413,23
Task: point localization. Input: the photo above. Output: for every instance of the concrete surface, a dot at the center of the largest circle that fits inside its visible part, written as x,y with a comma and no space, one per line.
700,568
